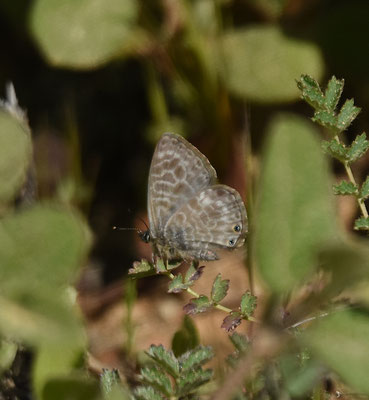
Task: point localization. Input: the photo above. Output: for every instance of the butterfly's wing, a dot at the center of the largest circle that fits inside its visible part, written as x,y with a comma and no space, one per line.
178,172
215,218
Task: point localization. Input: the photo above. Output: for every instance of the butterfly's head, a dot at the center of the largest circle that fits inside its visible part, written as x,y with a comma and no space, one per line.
145,236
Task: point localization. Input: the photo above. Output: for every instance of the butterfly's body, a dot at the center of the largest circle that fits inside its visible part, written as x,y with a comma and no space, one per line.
190,215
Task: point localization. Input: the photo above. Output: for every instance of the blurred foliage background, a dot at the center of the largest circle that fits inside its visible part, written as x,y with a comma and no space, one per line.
101,81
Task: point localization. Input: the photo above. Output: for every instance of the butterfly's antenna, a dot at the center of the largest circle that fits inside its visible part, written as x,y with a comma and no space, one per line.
118,228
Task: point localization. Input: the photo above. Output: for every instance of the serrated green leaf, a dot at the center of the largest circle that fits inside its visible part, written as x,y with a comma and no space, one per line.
192,380
173,265
142,269
311,91
176,285
146,393
347,114
195,358
219,289
335,149
288,229
364,190
160,265
109,378
358,148
165,359
248,304
197,305
193,273
157,379
240,342
333,93
326,118
186,338
362,224
340,340
345,188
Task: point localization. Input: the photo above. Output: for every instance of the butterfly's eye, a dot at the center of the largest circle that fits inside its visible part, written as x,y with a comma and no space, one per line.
145,236
237,228
231,242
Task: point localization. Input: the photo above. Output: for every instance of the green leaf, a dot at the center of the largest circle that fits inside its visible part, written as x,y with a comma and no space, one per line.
358,148
311,91
268,76
41,250
165,359
347,114
186,338
192,380
296,213
195,358
160,266
361,224
340,340
173,265
83,33
240,342
345,188
333,93
15,156
364,190
109,378
326,118
197,305
146,393
71,388
335,149
219,289
176,285
142,269
248,304
193,273
157,379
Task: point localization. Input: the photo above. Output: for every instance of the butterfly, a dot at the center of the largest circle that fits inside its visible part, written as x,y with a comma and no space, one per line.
190,215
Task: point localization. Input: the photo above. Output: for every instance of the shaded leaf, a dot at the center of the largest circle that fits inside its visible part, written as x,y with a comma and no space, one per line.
219,289
160,265
345,188
15,156
361,224
248,304
165,359
240,342
193,273
311,91
231,322
268,76
358,148
364,190
197,305
193,379
83,34
289,230
157,379
176,285
335,149
141,269
341,341
195,358
186,338
347,114
173,265
146,393
333,93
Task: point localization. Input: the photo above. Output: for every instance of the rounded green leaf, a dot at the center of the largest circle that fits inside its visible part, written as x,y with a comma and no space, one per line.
83,33
262,63
341,342
295,206
15,155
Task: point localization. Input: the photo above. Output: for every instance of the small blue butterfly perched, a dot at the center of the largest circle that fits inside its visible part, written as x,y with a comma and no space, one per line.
190,215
